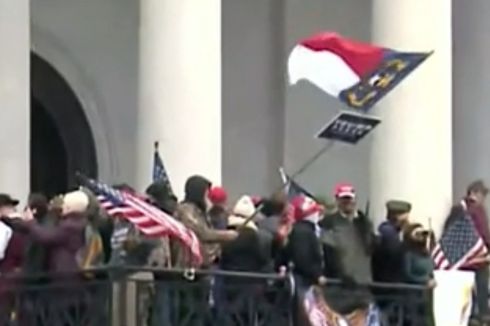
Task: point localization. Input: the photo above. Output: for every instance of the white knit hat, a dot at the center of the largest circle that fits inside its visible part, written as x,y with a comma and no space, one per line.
238,221
244,207
75,202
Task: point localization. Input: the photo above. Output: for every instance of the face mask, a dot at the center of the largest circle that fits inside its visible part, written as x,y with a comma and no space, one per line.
313,218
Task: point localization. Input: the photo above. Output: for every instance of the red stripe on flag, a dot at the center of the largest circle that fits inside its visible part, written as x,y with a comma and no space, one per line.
153,222
362,58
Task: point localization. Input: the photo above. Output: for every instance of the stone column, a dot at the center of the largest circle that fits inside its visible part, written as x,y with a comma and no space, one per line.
180,89
15,98
471,114
411,157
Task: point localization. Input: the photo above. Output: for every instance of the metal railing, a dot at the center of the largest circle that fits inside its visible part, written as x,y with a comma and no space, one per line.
175,297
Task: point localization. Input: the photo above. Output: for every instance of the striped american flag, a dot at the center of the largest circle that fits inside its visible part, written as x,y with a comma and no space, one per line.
159,172
459,245
150,220
317,310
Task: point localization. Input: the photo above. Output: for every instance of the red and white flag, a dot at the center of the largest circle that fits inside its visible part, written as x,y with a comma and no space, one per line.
359,74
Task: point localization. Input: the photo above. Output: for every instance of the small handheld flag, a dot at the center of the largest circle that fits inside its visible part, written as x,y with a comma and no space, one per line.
459,245
348,127
159,171
358,74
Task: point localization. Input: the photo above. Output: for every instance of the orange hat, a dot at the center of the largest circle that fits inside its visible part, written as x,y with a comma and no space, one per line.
304,207
217,195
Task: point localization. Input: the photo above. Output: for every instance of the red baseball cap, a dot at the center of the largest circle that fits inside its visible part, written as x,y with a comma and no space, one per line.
217,195
345,190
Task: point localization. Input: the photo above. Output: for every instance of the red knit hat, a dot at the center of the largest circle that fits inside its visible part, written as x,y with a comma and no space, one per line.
217,195
304,206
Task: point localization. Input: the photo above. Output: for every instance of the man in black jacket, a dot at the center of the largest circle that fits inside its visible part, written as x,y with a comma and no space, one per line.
305,251
304,245
389,253
473,206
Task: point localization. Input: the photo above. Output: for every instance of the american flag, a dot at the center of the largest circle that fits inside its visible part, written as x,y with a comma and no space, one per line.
459,245
317,310
150,220
159,171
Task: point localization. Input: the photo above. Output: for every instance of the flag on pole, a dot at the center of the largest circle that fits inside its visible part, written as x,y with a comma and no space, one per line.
367,209
358,74
459,245
159,171
292,188
150,220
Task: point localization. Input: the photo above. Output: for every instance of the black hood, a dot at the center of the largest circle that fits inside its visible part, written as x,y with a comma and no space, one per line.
195,189
162,196
160,190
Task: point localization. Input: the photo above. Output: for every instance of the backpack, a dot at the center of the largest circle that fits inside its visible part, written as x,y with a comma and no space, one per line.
91,255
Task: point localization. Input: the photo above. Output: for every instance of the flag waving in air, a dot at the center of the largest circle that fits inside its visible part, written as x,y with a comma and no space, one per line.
459,246
150,220
159,171
291,187
358,74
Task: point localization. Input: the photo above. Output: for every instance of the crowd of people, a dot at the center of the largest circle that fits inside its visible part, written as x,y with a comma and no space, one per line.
314,240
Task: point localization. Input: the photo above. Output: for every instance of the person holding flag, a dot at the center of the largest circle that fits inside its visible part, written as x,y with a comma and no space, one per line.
465,243
193,213
304,246
359,74
160,192
306,256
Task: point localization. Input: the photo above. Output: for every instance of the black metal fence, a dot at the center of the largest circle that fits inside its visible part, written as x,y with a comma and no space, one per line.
141,297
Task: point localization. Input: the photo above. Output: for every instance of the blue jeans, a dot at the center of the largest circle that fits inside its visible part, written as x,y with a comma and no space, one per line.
480,306
164,305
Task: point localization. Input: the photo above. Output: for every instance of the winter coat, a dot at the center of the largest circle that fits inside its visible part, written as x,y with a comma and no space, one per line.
418,267
269,233
14,255
196,220
305,252
388,257
351,242
192,213
36,256
218,217
354,241
11,265
63,241
245,253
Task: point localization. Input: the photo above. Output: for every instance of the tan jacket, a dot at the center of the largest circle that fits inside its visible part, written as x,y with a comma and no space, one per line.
160,256
209,238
